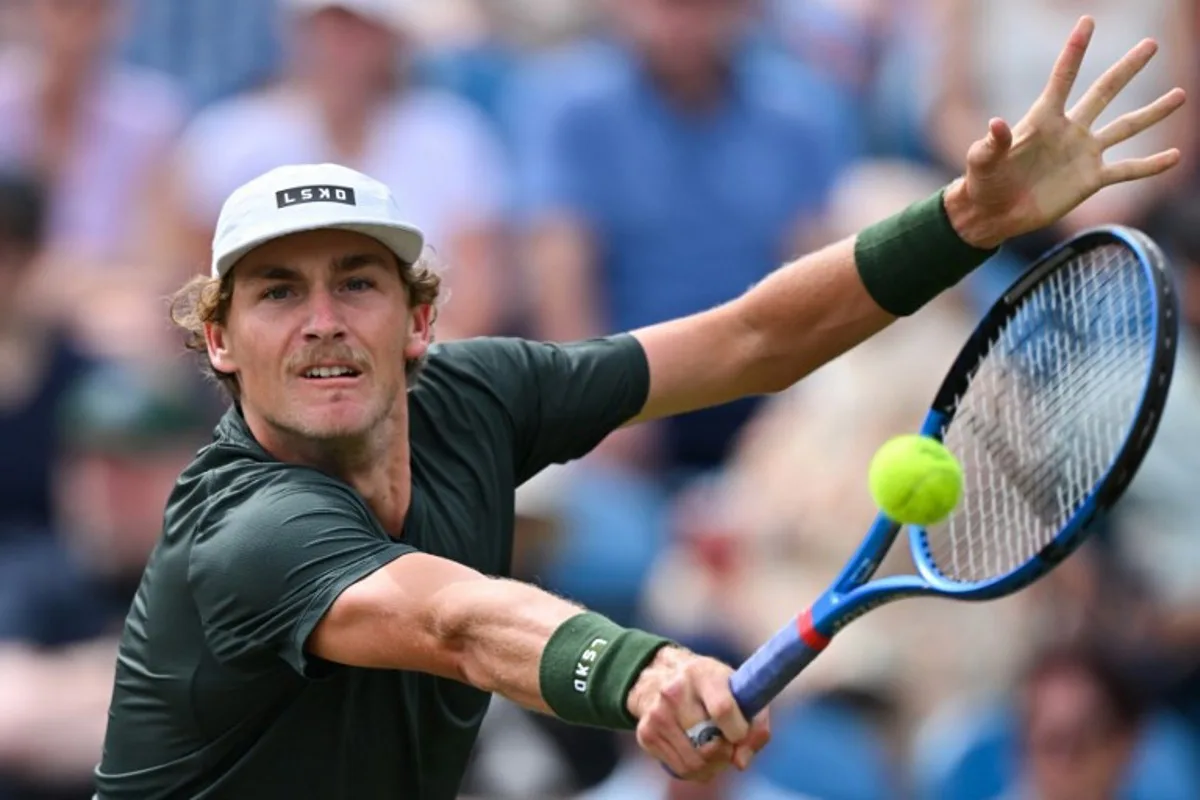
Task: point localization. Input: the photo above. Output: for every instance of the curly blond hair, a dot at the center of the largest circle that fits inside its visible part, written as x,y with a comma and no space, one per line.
206,300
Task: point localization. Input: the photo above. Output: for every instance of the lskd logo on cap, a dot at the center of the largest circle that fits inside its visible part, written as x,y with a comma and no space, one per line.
315,194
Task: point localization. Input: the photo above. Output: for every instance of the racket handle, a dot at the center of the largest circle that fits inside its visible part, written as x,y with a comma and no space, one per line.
768,671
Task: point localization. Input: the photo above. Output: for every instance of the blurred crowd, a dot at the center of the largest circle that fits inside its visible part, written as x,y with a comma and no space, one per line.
583,167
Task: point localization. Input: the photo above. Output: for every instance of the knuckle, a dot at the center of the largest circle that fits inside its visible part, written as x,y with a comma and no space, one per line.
660,716
674,691
724,707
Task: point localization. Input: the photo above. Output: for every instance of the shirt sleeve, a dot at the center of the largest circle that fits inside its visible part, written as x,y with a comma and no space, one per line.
264,574
562,399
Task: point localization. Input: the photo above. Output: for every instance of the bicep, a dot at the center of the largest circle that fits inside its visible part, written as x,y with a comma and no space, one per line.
694,361
798,318
394,618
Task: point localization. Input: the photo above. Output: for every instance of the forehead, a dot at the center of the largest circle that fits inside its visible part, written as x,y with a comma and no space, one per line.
309,251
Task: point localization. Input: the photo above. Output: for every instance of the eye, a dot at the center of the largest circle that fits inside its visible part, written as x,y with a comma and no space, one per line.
357,284
278,292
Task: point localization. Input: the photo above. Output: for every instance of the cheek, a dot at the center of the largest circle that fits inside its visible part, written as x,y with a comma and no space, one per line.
259,353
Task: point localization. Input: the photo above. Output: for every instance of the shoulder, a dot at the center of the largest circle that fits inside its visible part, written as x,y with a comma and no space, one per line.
473,365
256,522
231,485
509,368
283,494
485,356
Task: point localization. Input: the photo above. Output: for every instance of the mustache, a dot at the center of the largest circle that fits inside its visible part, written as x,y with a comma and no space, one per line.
338,354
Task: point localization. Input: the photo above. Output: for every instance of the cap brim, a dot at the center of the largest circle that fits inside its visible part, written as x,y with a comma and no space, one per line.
405,241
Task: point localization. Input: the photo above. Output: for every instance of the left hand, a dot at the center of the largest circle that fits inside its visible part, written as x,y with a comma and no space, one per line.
1028,177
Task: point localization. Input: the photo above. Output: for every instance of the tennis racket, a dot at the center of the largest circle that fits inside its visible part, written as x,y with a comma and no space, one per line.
1050,407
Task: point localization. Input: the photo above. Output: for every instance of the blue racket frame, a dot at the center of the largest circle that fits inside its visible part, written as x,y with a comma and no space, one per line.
779,660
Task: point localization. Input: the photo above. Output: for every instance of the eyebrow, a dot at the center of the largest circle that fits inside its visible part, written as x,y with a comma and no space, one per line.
355,261
346,263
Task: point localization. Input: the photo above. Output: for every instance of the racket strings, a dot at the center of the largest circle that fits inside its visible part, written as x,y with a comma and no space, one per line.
1046,413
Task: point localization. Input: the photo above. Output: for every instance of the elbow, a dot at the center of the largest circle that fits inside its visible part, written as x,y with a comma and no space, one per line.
453,629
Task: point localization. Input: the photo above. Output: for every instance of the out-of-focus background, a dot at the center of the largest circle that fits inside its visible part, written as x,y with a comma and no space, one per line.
584,167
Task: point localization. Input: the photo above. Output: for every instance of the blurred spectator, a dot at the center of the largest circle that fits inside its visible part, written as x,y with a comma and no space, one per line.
474,47
95,132
994,60
340,99
1081,724
464,51
1081,716
126,435
1154,527
664,169
214,48
876,51
37,363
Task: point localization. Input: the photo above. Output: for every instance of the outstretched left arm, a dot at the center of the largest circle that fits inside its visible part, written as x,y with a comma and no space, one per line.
807,313
796,319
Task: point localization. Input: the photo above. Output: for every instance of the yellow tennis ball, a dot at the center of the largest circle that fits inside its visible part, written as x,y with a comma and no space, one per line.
915,480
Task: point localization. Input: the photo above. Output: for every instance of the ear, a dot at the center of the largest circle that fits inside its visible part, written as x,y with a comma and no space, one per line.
219,352
420,332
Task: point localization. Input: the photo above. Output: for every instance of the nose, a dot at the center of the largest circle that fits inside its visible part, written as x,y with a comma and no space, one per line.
325,321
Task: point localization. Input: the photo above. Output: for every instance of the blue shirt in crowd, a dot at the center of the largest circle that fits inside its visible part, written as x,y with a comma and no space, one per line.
688,210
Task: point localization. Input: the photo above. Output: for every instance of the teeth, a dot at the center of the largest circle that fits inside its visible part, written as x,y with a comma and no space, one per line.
328,372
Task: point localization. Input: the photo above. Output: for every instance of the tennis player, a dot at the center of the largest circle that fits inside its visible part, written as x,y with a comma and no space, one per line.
326,614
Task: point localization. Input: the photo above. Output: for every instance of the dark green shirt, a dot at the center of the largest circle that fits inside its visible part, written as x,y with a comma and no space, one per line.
215,696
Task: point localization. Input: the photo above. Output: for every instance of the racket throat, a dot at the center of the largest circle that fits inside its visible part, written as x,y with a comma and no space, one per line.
812,638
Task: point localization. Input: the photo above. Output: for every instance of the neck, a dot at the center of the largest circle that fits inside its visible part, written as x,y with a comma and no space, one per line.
697,91
375,464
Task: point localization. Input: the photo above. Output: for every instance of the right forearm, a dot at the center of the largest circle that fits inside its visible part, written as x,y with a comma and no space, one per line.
427,614
500,628
547,654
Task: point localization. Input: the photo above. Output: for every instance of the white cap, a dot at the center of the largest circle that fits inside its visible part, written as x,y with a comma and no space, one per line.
310,197
389,13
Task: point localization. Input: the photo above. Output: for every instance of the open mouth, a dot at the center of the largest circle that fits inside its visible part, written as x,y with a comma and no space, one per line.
328,373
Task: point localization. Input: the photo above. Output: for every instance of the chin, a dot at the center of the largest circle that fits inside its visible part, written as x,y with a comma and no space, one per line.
337,426
344,420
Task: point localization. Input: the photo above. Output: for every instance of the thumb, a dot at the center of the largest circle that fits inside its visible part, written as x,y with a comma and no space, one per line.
988,151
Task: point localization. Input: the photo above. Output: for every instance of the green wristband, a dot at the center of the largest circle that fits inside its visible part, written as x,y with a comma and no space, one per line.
910,258
588,667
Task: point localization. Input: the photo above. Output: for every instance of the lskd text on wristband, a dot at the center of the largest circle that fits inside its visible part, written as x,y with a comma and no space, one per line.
588,667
